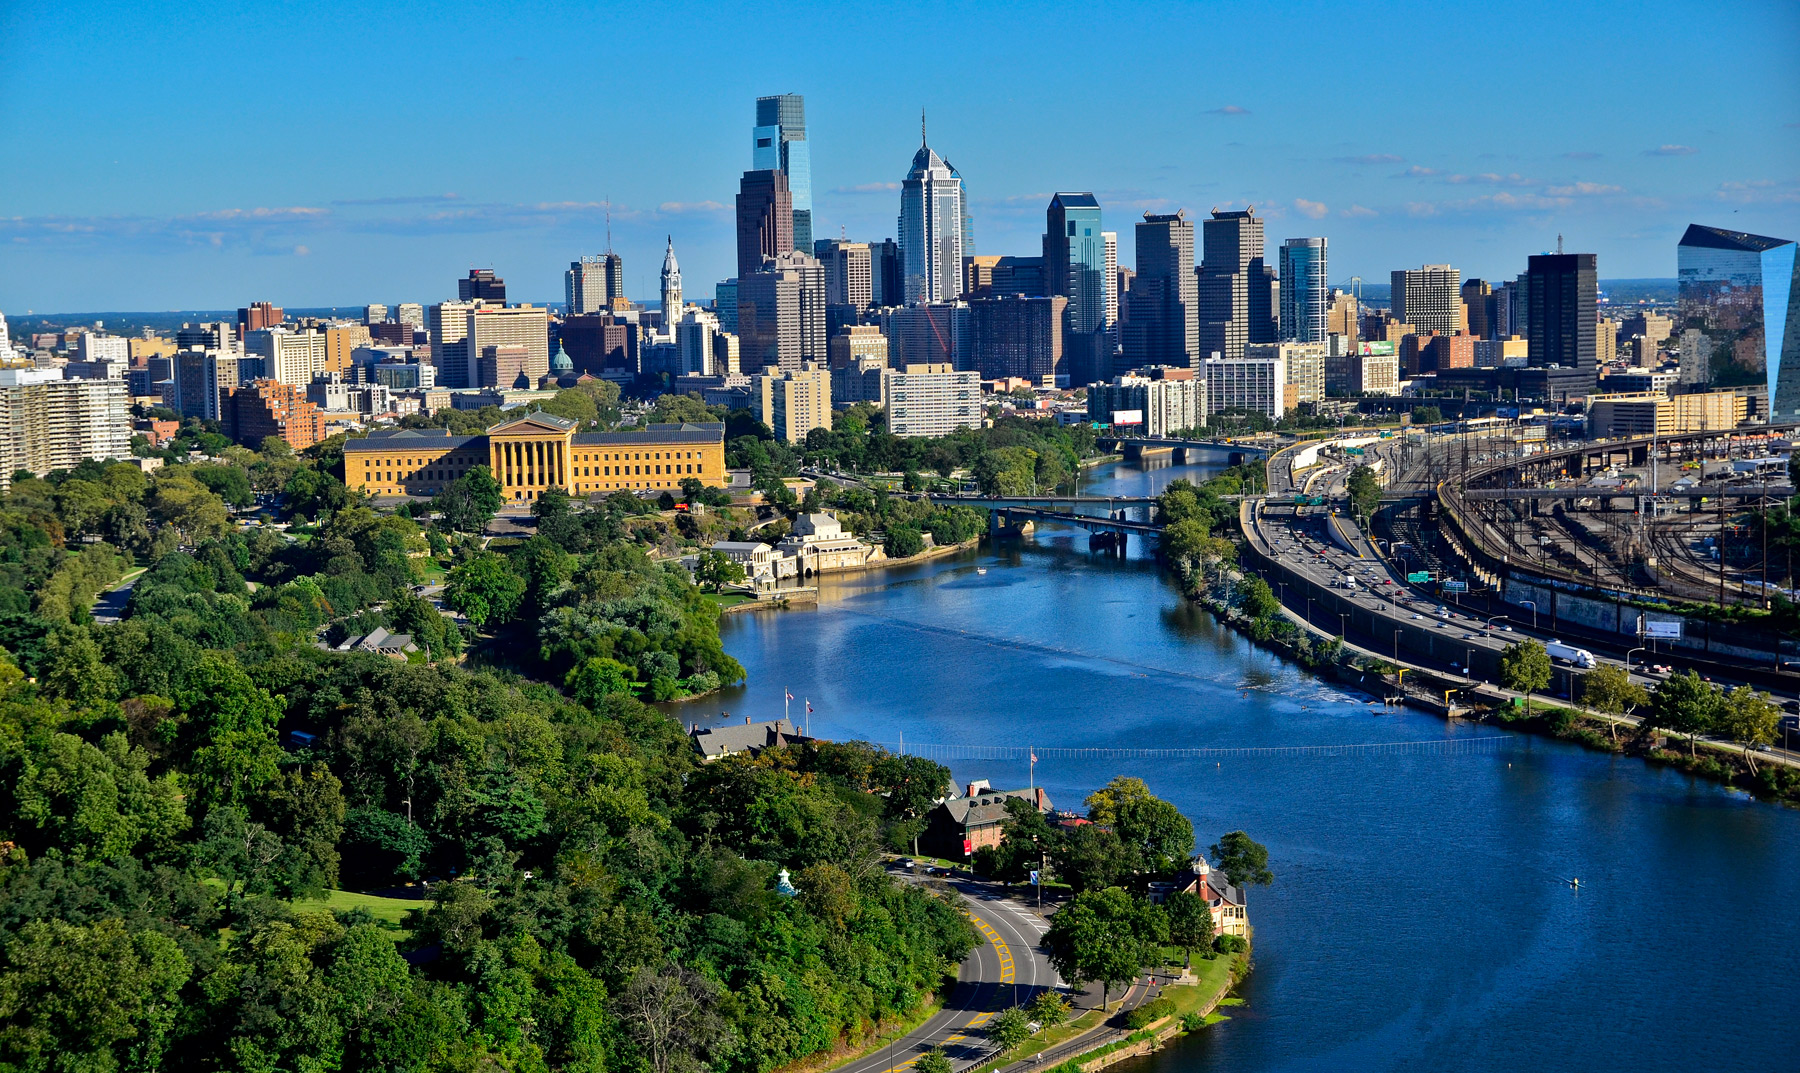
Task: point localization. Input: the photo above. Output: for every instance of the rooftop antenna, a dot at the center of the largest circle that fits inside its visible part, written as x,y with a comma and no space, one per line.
922,140
609,248
1559,244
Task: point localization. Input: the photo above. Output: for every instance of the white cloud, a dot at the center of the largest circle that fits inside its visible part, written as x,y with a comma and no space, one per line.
1357,212
1583,190
1230,109
1312,210
1671,150
690,208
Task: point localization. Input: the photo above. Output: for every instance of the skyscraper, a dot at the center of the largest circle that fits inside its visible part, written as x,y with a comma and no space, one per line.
584,286
1111,241
671,289
1305,292
1741,292
765,219
1075,259
781,314
849,271
931,228
482,286
885,286
1428,298
1237,304
1564,291
781,145
1163,327
1478,300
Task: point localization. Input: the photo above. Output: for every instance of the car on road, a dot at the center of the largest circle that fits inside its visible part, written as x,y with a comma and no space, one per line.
909,864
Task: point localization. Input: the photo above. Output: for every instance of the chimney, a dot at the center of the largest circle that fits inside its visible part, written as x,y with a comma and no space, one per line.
746,720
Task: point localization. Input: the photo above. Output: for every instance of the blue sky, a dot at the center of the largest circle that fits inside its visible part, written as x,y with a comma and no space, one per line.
203,155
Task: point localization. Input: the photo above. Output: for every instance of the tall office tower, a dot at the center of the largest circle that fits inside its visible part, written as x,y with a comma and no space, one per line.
495,326
1741,294
1163,324
49,423
482,286
1429,298
1478,300
1111,240
448,323
200,376
781,314
849,272
256,317
1564,294
289,356
614,281
584,286
1075,259
671,289
932,235
725,307
1305,291
1016,335
765,219
1341,315
341,340
375,314
885,286
1236,299
410,313
696,342
781,145
219,335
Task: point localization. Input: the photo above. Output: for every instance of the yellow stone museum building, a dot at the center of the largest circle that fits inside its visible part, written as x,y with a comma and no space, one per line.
535,452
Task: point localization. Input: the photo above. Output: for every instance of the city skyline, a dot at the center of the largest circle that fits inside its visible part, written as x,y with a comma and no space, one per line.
154,178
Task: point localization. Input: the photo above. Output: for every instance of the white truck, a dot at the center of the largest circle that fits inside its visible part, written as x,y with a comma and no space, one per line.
1580,657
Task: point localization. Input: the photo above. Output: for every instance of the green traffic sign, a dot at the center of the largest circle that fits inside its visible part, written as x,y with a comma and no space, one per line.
1418,577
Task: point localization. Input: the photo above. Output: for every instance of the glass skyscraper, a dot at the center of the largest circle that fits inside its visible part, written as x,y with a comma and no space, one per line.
1743,291
781,146
1075,259
1305,294
933,230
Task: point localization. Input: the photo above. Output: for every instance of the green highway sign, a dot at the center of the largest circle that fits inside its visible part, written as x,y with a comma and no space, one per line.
1419,577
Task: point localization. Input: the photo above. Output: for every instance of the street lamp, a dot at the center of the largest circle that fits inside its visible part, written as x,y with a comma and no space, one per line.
1639,648
1533,605
1488,627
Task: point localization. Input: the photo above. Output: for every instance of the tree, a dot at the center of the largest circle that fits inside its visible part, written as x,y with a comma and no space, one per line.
597,678
1187,540
1609,689
486,589
1364,489
1748,718
1190,922
904,541
1525,668
1686,704
1243,860
692,488
470,502
89,998
1427,415
672,1015
717,569
1104,935
1156,829
1257,600
1010,1027
932,1061
1007,471
1049,1009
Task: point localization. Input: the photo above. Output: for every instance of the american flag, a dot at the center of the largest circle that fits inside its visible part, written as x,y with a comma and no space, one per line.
790,696
809,707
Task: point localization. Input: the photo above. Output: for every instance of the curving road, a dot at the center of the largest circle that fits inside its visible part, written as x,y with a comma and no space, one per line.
1007,970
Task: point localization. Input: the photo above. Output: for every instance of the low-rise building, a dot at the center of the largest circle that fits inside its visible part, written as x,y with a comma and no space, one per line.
958,826
1224,900
931,400
763,565
1156,406
818,544
716,743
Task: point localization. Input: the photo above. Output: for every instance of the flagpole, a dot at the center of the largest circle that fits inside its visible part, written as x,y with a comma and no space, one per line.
786,699
1031,752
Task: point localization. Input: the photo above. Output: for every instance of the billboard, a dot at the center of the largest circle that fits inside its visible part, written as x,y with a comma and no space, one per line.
1128,417
1384,349
1663,631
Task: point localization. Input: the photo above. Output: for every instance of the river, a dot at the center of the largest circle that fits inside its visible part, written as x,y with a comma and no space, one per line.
1420,917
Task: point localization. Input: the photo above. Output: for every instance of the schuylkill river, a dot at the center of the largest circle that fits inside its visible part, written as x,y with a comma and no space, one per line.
1420,918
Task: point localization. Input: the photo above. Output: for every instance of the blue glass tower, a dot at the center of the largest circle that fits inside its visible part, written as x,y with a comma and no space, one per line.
1075,259
780,145
1305,295
1743,291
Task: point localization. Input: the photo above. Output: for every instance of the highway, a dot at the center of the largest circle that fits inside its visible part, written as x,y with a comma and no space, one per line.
1296,538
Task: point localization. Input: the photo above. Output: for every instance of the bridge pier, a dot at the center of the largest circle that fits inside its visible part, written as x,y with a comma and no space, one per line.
1110,543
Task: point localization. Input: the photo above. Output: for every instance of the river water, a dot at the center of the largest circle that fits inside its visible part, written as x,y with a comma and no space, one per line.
1421,916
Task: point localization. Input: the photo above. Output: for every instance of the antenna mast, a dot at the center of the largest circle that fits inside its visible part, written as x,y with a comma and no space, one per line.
609,248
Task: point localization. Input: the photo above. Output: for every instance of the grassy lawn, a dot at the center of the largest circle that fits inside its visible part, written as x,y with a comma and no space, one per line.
390,911
728,599
1046,1039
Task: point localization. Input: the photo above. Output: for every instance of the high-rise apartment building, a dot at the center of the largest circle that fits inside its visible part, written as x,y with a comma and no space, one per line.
289,356
671,288
793,402
1013,335
858,342
481,286
781,314
1429,298
1342,314
849,272
256,317
781,145
886,284
448,325
410,313
932,229
1564,290
1163,405
49,423
265,408
1075,259
1304,365
938,334
200,377
1478,306
1110,242
1163,324
1305,291
341,340
1236,291
493,326
375,313
698,341
765,219
1251,385
931,400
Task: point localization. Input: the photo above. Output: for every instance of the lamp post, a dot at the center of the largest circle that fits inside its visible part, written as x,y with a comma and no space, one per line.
1533,605
1639,648
1488,627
